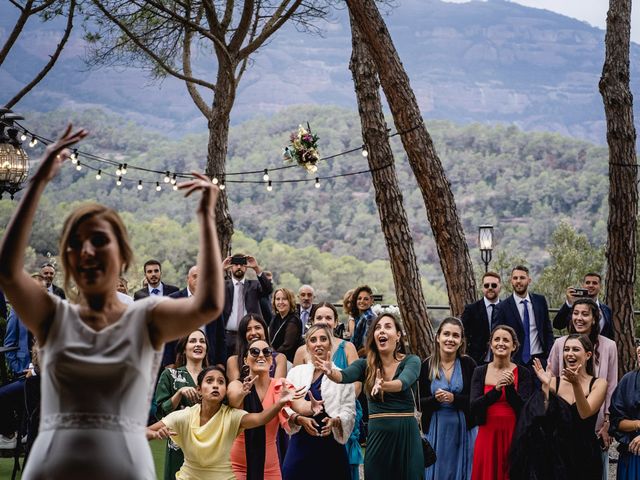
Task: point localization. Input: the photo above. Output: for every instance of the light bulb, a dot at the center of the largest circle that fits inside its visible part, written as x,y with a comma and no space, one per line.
158,187
124,169
269,187
175,187
173,180
317,182
119,181
265,177
23,137
167,179
139,184
99,175
78,166
215,180
222,186
365,152
119,170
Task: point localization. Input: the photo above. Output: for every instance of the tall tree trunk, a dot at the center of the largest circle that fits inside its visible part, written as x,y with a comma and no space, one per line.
623,189
217,152
436,190
393,218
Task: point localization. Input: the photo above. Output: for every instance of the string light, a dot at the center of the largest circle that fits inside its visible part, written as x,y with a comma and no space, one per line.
167,179
175,187
78,166
139,184
317,182
23,137
33,142
222,186
119,170
74,155
174,180
99,175
124,169
365,152
265,177
269,186
119,181
214,180
158,187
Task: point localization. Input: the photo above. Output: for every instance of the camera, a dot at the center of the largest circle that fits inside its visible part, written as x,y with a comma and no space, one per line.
580,292
238,260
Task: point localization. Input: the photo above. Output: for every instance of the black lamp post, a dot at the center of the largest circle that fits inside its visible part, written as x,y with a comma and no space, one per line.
485,243
14,161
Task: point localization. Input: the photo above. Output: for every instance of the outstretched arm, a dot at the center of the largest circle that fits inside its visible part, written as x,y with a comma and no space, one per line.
31,302
172,319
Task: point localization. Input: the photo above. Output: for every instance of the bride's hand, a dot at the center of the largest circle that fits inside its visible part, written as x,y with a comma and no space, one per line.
210,192
57,152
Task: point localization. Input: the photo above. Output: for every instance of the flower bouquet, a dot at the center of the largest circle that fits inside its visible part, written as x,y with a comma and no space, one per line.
303,149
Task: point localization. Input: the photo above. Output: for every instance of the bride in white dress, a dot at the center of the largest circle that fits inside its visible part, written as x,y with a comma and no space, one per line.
99,355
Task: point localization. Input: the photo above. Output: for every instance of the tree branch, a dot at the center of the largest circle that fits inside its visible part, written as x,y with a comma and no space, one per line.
243,26
228,15
148,51
17,30
270,28
186,67
42,7
51,62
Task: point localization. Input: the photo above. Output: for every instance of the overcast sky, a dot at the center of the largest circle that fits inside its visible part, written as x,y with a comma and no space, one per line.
591,11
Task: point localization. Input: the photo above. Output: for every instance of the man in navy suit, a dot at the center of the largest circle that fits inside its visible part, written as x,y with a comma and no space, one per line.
213,330
155,286
528,314
592,282
242,296
476,318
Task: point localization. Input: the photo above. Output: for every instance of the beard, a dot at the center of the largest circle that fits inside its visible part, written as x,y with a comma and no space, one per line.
238,274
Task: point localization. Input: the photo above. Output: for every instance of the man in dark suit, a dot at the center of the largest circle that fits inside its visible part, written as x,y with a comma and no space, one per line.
476,318
242,296
48,272
214,330
592,283
528,314
155,286
306,307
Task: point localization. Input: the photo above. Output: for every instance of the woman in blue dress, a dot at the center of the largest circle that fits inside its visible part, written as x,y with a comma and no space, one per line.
445,383
624,413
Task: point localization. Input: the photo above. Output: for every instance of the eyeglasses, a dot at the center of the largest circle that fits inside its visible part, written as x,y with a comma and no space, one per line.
255,352
492,285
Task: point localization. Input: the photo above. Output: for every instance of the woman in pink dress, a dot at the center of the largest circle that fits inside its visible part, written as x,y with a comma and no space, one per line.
498,391
254,454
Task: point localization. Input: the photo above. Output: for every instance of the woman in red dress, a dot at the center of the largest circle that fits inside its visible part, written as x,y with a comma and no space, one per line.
498,391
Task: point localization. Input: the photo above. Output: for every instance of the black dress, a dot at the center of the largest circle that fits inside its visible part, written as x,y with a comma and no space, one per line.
555,444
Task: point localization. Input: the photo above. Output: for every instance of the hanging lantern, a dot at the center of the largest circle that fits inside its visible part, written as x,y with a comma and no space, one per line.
14,161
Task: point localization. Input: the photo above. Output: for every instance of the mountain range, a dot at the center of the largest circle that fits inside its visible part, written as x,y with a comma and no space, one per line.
494,62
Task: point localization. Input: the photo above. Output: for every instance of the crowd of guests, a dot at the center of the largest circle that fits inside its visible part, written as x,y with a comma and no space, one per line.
247,382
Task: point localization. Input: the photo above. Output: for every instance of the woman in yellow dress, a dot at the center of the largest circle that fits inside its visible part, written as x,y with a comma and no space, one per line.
206,431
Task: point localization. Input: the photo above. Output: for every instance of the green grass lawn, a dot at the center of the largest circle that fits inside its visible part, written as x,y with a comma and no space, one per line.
157,450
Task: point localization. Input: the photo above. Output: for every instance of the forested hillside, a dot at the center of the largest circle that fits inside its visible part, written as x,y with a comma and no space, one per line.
523,183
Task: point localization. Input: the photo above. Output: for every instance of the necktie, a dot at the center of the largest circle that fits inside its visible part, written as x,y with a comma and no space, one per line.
526,345
239,303
305,319
491,312
155,291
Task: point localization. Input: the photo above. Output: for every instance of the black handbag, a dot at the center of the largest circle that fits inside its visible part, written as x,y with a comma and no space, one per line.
428,452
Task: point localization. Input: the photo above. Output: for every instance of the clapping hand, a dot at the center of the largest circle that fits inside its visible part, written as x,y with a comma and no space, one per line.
506,379
377,386
543,375
572,375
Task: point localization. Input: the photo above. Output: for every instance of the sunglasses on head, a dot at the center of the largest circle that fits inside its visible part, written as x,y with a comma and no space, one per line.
255,352
492,285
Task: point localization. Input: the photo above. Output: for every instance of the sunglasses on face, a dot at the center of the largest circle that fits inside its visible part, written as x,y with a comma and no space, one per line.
255,352
492,285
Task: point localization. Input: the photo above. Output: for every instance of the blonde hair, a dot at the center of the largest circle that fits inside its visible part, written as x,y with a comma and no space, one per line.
83,213
291,297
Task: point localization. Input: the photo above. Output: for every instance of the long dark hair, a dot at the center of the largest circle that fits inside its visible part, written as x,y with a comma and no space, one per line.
588,347
374,362
181,350
204,372
355,313
594,333
241,338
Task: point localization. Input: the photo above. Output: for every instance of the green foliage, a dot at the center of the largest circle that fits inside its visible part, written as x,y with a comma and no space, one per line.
525,184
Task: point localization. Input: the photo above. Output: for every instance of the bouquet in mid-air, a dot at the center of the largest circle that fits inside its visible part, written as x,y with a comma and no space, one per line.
303,149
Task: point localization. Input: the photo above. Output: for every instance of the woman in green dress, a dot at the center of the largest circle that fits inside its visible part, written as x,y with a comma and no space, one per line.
177,389
394,447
